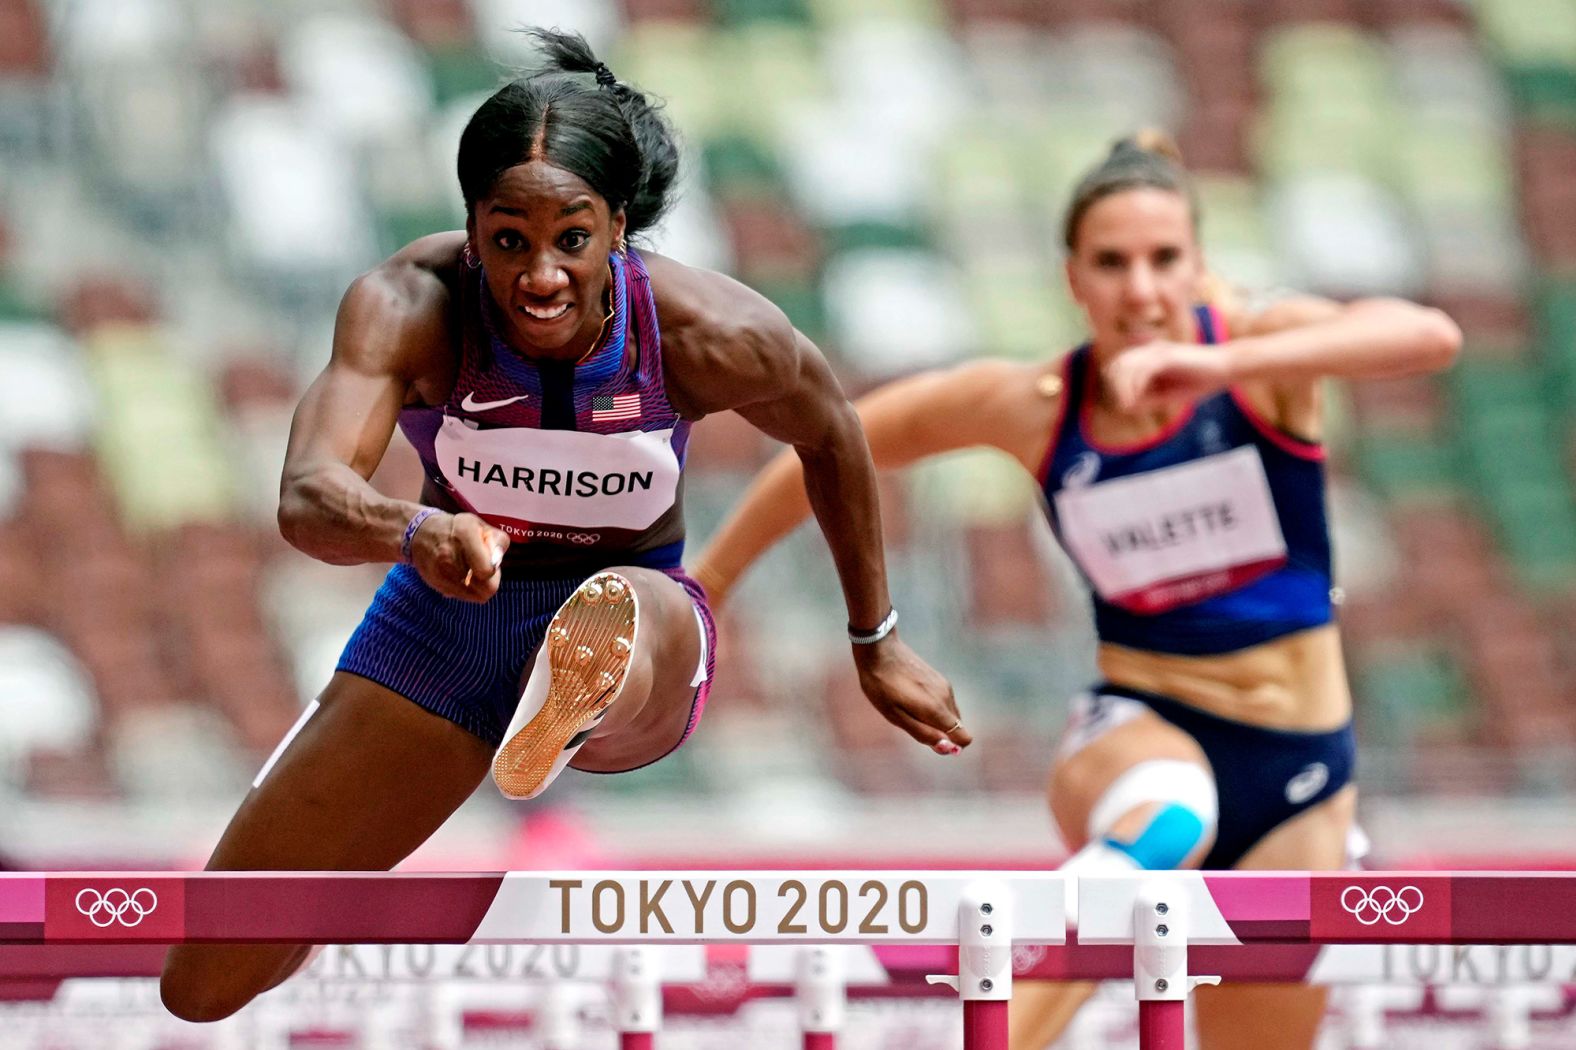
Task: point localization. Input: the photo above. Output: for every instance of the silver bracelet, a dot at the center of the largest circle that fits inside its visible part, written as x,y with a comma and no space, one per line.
883,629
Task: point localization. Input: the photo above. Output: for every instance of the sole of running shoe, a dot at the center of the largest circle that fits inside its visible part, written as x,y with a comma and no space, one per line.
589,645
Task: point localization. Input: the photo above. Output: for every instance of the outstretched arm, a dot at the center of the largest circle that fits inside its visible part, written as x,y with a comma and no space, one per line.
740,352
1307,339
992,403
390,324
1283,352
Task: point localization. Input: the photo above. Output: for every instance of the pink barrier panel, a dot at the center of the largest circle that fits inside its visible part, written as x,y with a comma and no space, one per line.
35,961
1397,906
1084,962
165,908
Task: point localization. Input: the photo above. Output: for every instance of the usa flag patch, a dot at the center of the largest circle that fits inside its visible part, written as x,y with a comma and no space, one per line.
611,408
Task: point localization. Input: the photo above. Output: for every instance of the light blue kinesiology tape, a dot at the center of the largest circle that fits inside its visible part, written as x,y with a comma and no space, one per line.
1174,832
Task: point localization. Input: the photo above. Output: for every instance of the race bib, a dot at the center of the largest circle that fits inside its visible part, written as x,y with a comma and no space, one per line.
526,477
1177,535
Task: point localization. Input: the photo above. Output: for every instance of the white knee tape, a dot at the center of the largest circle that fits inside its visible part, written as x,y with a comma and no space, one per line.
1157,780
1358,846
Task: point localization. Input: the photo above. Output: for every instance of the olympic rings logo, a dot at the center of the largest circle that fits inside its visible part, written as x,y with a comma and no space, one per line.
582,537
116,906
1392,906
1026,957
723,983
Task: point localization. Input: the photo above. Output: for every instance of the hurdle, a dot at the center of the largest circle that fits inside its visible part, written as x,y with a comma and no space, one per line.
1157,916
1162,913
983,913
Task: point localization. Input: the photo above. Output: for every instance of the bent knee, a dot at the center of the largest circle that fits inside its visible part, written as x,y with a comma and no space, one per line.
196,1001
1163,835
1162,813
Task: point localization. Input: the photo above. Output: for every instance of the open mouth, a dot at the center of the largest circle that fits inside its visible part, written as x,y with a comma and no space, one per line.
545,313
1144,331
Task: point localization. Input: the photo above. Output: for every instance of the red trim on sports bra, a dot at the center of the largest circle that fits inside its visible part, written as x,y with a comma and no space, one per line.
1137,446
1218,322
1309,450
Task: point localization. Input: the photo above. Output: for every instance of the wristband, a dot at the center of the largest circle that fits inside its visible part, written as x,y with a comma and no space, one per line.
883,629
410,531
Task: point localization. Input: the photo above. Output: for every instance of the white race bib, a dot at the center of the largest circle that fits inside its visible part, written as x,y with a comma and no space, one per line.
1177,535
561,477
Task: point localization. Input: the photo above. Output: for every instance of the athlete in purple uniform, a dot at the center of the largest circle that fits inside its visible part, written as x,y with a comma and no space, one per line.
1178,453
548,376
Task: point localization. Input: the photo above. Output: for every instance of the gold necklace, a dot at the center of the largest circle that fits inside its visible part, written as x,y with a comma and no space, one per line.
602,330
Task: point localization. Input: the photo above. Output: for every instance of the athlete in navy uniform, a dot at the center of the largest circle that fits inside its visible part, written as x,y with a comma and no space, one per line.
1178,453
547,375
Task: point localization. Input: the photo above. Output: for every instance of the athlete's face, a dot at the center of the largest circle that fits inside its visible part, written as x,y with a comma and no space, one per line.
1135,268
543,236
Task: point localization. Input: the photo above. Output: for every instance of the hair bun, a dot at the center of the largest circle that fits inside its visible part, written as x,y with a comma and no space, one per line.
1151,140
1148,158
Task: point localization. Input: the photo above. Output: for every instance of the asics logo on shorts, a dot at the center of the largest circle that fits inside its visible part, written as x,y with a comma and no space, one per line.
116,906
1369,906
1308,783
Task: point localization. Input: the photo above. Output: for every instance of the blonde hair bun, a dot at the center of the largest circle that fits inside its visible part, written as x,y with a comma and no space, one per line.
1147,158
1157,141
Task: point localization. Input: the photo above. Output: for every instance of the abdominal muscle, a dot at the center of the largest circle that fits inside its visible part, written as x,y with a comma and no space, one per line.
1297,682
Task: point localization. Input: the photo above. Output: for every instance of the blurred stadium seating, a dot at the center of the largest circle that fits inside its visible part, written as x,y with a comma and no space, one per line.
186,189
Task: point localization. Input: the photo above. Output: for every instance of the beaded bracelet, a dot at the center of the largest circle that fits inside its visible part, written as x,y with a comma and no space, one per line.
883,629
410,531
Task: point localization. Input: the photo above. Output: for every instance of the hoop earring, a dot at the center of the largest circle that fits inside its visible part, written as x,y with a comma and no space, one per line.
469,257
621,246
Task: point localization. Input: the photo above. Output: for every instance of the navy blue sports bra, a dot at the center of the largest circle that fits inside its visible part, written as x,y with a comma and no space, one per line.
1208,538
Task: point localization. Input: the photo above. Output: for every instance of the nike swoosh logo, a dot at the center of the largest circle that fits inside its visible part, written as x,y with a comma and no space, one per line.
470,404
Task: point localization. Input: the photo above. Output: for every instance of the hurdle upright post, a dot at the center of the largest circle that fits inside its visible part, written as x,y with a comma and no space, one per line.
822,994
985,964
558,1016
637,997
1509,1011
1160,977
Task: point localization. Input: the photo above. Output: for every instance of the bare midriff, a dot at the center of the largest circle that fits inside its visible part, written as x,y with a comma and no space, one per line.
1297,682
